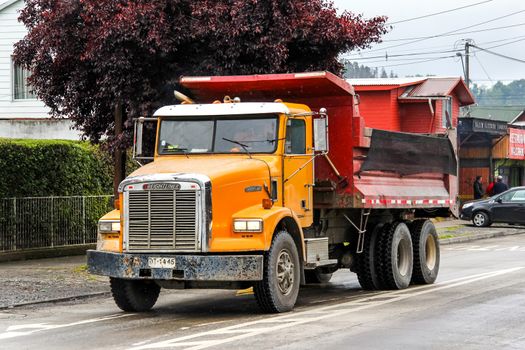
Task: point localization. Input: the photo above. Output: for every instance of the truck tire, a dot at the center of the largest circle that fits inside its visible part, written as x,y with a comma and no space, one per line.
366,261
481,219
134,295
278,290
316,276
395,255
426,252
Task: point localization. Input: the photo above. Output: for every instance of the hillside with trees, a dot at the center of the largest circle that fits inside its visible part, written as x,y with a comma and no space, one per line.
512,94
355,70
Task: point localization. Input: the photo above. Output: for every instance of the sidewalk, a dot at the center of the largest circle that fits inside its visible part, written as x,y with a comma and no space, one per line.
65,278
40,280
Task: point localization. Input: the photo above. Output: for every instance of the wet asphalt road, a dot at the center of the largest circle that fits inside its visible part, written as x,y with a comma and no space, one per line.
478,302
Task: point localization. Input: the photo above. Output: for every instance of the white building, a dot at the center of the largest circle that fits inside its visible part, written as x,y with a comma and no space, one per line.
21,114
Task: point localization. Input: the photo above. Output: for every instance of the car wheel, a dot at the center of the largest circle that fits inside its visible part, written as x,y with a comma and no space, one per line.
481,219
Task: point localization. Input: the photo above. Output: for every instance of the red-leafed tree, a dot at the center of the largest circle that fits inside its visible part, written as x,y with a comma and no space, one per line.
86,56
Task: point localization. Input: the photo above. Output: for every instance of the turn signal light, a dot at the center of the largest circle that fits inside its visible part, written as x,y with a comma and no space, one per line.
267,203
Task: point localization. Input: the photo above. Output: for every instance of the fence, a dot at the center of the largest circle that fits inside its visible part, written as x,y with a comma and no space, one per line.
44,222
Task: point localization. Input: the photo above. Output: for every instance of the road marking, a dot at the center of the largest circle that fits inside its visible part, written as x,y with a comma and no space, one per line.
247,329
27,329
492,248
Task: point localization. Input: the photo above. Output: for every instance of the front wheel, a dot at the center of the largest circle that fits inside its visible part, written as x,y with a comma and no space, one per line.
134,295
278,290
481,219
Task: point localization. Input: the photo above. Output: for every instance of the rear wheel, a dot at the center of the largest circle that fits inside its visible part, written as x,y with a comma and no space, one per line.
367,260
134,295
278,290
481,219
317,276
395,256
426,252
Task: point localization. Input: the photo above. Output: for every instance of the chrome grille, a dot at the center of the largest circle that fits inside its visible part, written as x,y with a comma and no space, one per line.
162,220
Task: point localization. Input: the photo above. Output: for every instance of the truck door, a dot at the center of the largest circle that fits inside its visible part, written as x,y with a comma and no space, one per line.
298,170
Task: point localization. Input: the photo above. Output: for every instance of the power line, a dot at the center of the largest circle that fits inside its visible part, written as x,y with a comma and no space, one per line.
483,67
440,48
387,57
512,42
459,33
423,61
498,54
449,32
440,13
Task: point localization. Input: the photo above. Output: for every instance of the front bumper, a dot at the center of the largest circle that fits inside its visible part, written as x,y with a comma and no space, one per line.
187,267
466,214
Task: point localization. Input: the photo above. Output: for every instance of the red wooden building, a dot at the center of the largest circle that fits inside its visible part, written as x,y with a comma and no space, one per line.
425,105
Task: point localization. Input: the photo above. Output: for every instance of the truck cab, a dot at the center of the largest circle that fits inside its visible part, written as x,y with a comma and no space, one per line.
225,178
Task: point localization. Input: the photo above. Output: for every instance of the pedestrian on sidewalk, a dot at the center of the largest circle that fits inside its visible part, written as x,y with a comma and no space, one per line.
499,186
478,187
490,188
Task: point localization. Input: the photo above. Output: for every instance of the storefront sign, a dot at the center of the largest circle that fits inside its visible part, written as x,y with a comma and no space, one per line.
516,143
489,126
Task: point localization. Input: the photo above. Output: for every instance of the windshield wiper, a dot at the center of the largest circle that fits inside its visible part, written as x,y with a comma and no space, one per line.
168,148
245,147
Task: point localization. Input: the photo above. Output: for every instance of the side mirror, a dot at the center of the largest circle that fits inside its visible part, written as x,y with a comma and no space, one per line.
499,200
139,129
138,139
321,132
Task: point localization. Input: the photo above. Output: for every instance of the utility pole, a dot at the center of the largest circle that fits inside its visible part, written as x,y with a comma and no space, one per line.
468,44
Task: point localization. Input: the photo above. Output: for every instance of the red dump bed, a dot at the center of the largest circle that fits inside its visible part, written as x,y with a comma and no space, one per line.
349,140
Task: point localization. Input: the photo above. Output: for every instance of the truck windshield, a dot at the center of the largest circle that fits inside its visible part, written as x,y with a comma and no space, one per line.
219,134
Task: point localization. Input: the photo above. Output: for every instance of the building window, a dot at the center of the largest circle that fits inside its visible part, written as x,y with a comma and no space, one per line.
21,90
446,118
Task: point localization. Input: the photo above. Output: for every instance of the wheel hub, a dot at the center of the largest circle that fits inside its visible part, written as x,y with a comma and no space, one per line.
285,272
431,252
479,219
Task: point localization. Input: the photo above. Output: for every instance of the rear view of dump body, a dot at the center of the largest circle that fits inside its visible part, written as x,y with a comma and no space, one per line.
364,168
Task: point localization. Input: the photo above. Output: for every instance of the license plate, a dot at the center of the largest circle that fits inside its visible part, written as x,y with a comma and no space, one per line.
161,263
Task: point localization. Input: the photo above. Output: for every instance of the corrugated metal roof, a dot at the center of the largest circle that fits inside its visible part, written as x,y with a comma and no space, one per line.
441,87
384,81
507,114
434,87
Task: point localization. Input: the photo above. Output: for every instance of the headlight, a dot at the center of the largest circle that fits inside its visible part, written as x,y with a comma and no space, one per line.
108,226
467,205
247,225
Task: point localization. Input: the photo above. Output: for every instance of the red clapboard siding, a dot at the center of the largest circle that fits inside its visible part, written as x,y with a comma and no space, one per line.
416,117
380,109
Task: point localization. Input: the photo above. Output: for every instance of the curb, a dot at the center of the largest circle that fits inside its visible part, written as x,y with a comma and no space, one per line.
475,237
56,300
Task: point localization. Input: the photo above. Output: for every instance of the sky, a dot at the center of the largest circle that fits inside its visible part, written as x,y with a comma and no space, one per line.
440,52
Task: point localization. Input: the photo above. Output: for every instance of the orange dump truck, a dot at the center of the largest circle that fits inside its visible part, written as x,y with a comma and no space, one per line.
256,191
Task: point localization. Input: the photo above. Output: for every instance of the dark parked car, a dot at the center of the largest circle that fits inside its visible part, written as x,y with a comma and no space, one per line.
508,207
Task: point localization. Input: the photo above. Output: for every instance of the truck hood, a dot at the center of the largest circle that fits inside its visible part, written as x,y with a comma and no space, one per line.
222,170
